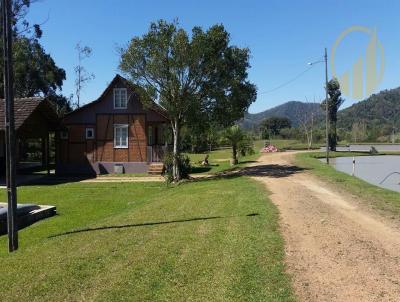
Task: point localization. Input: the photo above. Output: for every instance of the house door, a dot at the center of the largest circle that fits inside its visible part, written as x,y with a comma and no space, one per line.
150,137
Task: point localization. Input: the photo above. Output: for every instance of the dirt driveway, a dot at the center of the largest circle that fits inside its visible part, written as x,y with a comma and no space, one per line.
337,249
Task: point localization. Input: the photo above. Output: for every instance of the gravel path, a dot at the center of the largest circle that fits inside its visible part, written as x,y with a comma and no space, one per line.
337,249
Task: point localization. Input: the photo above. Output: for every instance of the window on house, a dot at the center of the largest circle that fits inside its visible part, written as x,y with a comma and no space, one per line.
120,98
89,133
64,134
121,136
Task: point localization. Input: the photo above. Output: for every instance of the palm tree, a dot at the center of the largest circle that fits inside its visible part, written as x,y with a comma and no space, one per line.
239,141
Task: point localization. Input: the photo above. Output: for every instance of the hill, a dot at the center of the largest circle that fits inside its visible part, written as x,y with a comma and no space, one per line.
378,111
292,110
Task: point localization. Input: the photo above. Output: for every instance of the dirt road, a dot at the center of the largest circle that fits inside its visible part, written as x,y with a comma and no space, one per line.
337,249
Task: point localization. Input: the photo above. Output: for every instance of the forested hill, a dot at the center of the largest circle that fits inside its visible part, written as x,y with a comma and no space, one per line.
293,110
379,110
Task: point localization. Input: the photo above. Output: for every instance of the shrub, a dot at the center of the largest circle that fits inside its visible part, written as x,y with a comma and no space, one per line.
246,146
183,163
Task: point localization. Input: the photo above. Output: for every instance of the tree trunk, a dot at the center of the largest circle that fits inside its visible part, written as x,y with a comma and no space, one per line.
307,137
234,154
332,136
176,175
311,131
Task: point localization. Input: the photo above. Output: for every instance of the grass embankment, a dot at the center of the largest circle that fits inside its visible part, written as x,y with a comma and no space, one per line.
377,197
211,240
291,144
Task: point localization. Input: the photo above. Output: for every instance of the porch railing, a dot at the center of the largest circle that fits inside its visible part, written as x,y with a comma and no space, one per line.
155,153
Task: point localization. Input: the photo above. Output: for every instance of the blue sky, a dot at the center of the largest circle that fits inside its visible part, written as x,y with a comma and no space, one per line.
282,36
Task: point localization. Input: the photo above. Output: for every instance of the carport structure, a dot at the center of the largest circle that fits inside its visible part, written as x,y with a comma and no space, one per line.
35,120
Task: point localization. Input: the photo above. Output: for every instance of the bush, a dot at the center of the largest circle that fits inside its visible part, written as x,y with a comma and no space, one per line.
183,163
246,146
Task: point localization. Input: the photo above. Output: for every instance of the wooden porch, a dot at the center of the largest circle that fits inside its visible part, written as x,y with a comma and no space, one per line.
155,153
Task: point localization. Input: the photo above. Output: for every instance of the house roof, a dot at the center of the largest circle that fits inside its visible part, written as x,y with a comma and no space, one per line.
153,106
24,107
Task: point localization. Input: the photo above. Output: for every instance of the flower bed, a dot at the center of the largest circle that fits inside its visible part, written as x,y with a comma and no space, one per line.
269,149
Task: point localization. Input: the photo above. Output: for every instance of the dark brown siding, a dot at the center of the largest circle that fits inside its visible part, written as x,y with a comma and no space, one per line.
102,117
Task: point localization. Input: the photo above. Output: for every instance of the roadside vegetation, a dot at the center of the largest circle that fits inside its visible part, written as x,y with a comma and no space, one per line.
210,240
377,197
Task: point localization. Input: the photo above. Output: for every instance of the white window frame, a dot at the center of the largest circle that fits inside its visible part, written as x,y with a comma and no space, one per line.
87,131
118,93
119,145
64,134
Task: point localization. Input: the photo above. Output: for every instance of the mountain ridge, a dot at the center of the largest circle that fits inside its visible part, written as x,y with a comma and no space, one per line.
293,110
378,110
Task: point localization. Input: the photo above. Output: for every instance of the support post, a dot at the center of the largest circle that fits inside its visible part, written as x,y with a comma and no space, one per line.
47,151
326,107
9,127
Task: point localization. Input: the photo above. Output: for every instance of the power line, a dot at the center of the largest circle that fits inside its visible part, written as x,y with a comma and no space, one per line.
288,82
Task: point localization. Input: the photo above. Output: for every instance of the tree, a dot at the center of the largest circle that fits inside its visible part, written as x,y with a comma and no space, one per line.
240,142
334,102
35,72
359,131
21,26
201,75
82,76
306,118
62,104
274,125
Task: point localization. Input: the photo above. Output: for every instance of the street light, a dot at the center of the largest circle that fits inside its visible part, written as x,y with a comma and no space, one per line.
325,60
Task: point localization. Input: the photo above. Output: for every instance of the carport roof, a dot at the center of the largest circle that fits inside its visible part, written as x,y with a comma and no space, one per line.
25,107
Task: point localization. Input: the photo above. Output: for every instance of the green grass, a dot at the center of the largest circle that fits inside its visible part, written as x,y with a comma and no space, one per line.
215,253
291,144
376,197
219,159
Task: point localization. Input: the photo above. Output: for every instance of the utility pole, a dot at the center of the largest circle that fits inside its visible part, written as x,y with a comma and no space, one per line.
9,126
326,107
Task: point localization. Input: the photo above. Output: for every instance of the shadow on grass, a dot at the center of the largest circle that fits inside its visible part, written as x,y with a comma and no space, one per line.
201,169
248,162
111,227
24,180
52,180
272,170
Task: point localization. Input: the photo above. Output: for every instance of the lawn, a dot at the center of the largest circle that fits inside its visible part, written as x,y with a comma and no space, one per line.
376,197
291,144
219,159
210,240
